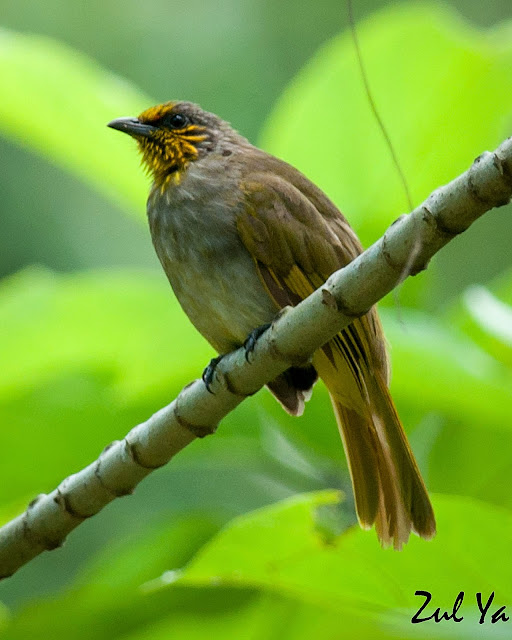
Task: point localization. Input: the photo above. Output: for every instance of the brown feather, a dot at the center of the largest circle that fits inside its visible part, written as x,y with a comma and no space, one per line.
298,238
241,234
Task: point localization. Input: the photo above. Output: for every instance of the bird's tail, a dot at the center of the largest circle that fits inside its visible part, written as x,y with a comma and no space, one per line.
388,488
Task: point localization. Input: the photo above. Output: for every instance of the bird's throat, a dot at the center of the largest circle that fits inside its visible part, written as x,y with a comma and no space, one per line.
165,163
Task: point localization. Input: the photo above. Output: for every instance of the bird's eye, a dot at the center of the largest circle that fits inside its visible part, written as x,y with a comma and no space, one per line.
177,121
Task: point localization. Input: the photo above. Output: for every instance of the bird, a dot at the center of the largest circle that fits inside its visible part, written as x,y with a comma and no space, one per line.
241,235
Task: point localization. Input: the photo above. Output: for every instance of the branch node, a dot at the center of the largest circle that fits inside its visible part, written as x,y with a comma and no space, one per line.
329,299
504,170
478,197
436,223
337,302
109,446
387,256
276,353
199,431
35,500
271,346
232,387
503,166
62,499
344,308
410,267
225,381
47,543
131,450
399,219
116,493
500,165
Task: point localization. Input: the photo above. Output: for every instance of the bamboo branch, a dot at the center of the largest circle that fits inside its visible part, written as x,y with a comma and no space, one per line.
405,249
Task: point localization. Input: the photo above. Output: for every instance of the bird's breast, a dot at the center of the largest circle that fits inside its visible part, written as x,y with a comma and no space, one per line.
194,232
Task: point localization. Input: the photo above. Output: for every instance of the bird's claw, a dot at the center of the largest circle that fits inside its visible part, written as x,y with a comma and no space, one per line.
209,372
253,337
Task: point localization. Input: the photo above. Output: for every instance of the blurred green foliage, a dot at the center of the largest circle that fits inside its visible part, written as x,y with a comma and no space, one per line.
441,106
85,356
74,99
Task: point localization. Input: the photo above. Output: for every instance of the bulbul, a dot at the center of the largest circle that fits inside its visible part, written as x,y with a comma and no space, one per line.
242,234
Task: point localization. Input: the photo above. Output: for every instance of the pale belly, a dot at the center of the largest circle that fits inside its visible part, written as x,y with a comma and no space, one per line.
225,301
210,271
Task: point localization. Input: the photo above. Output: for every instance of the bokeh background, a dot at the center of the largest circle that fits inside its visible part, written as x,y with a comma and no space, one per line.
92,341
233,58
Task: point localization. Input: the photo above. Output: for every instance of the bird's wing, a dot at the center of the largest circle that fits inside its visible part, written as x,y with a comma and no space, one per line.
297,239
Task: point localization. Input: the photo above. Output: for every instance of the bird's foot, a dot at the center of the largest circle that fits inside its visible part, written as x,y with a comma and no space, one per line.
253,337
209,372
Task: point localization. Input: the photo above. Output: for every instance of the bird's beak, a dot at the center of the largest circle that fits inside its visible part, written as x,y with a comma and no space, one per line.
132,126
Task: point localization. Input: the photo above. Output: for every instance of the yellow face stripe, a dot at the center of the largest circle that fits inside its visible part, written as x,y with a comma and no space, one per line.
155,113
169,152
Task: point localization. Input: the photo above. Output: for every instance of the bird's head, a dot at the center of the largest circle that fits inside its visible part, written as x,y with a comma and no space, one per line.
173,135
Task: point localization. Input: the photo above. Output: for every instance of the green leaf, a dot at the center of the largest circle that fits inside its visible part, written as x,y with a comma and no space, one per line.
280,549
492,315
188,613
438,369
260,615
125,322
129,563
111,601
96,353
58,101
453,399
441,87
272,573
323,123
485,314
462,396
84,359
